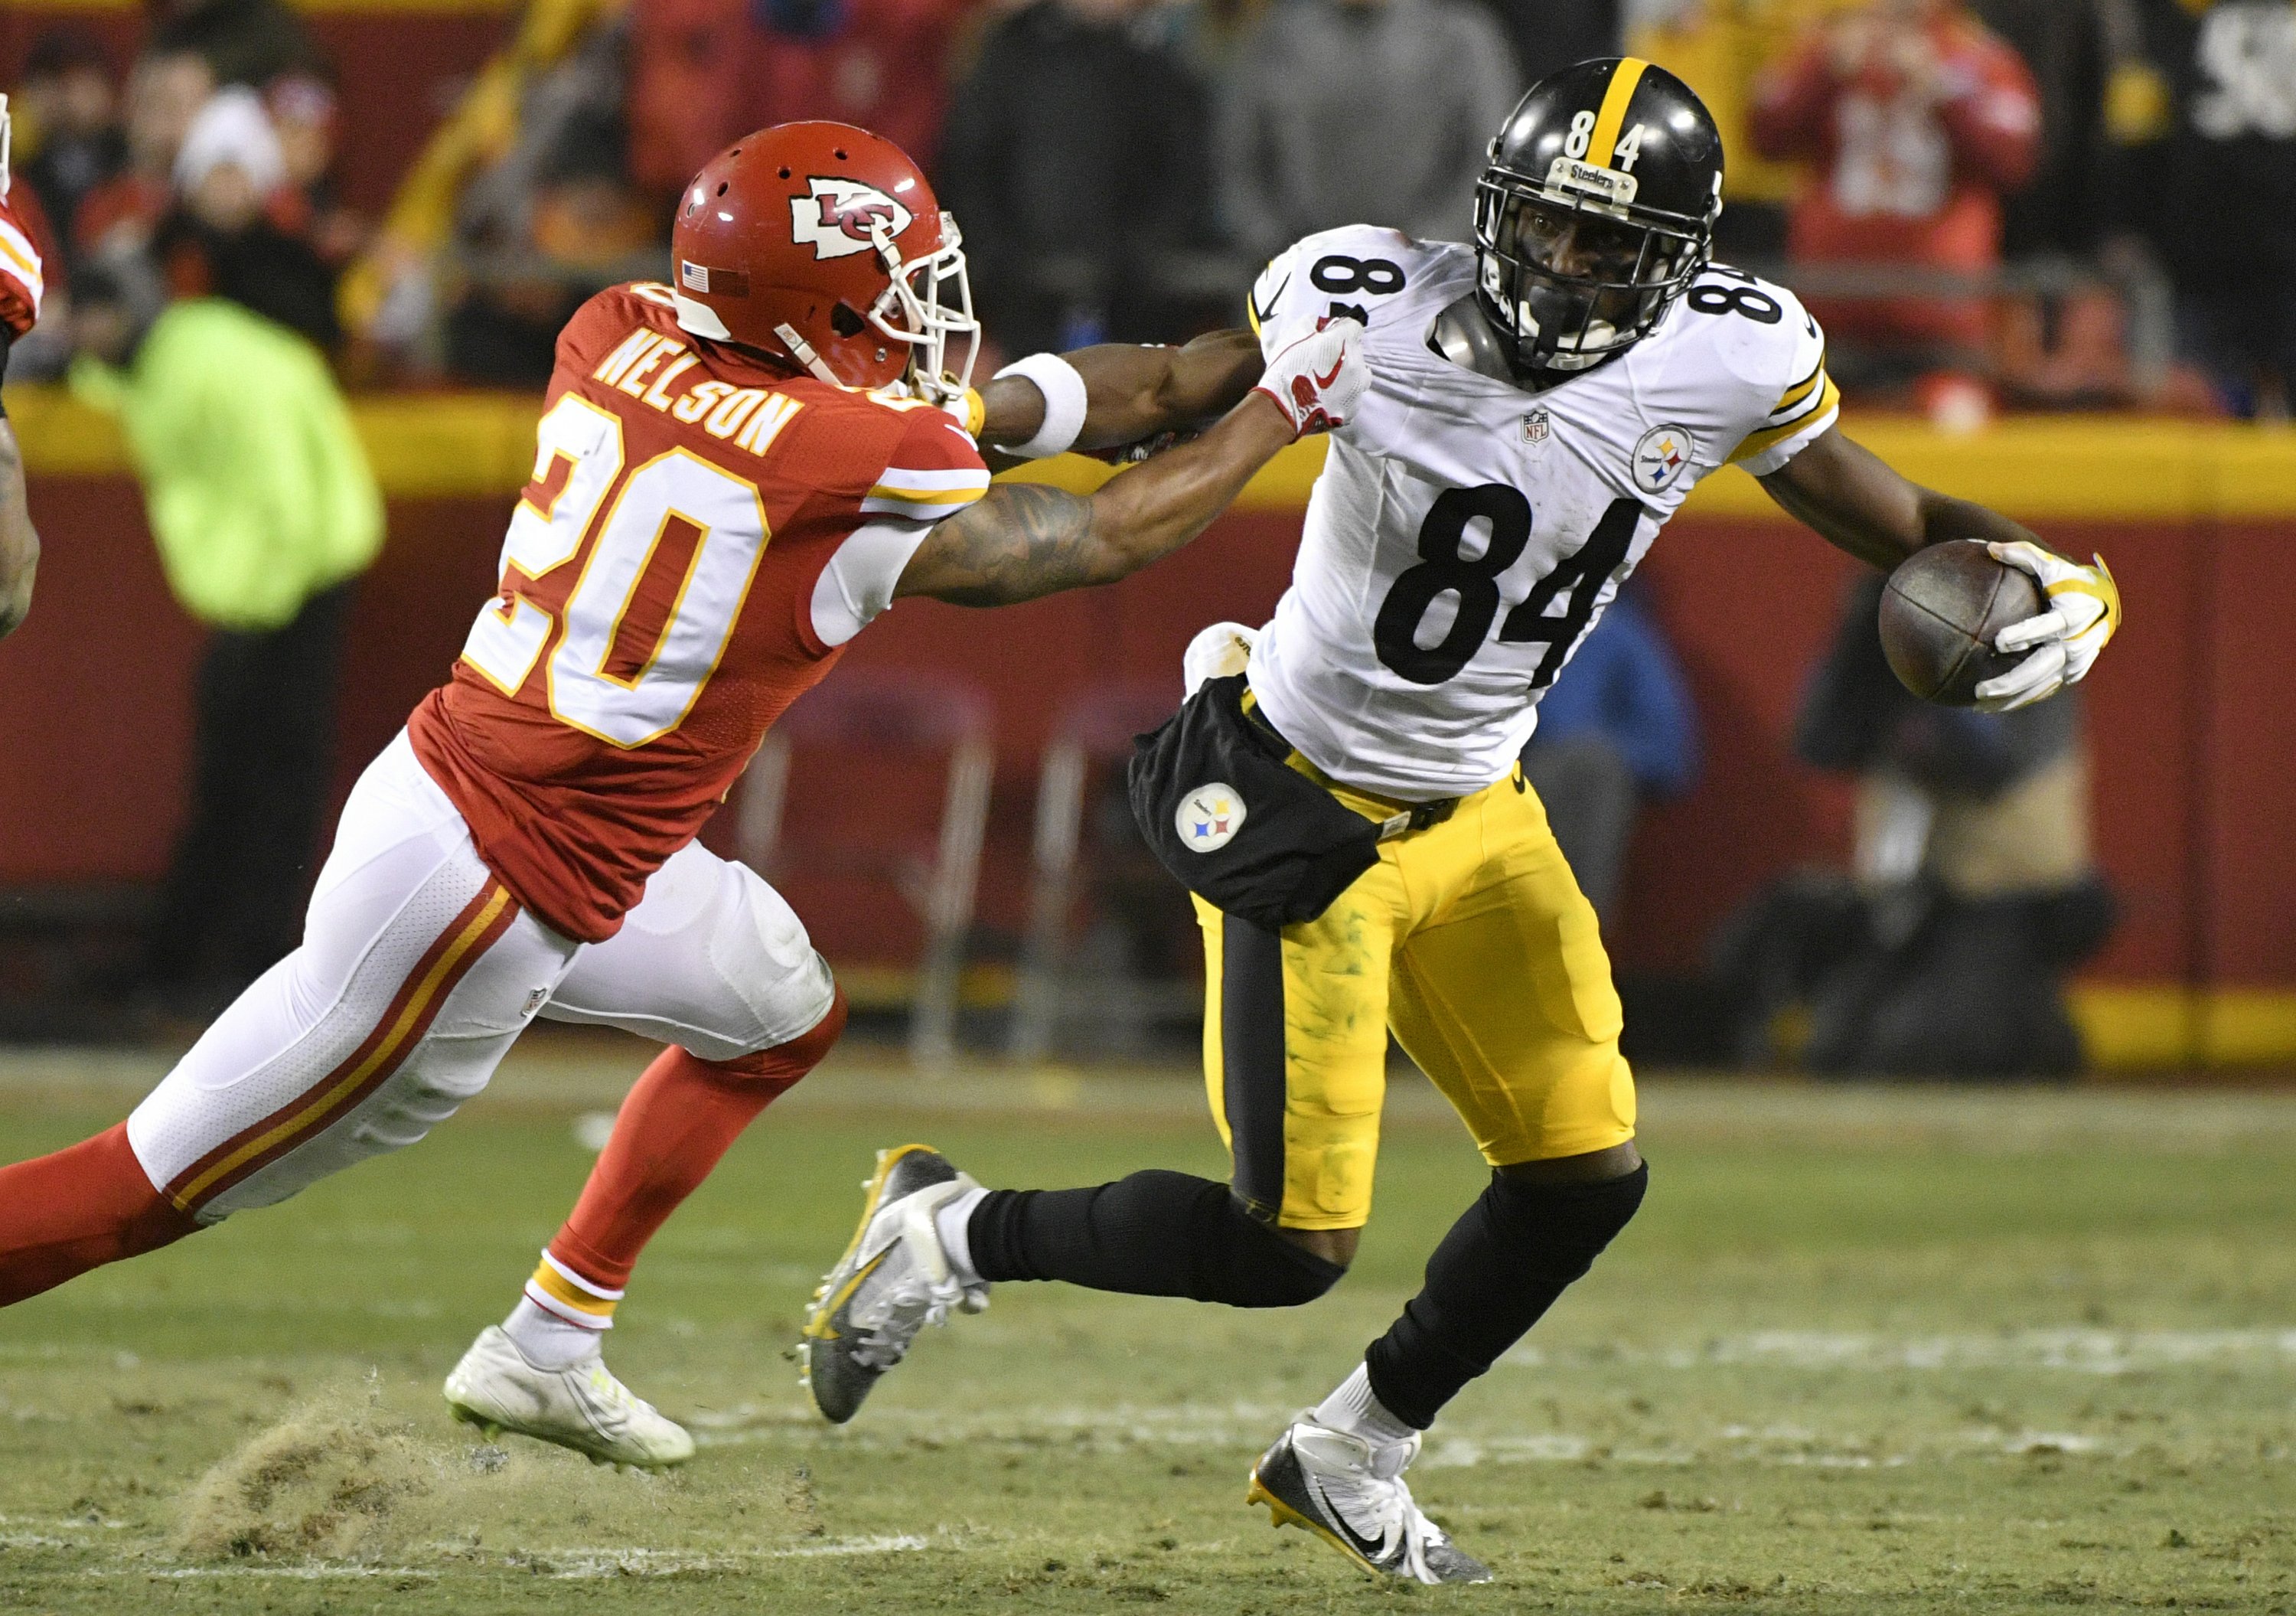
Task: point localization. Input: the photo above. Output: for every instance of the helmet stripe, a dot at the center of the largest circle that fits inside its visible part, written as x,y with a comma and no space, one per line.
1604,144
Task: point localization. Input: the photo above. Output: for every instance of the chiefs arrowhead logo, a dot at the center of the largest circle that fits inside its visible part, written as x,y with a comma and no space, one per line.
836,219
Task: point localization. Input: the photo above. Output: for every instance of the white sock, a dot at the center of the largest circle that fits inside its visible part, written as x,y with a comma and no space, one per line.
547,1341
952,1221
1352,1408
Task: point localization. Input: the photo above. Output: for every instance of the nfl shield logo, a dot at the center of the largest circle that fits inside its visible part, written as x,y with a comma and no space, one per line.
1534,426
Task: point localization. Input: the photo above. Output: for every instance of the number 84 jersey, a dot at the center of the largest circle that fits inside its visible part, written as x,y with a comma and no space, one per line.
1466,533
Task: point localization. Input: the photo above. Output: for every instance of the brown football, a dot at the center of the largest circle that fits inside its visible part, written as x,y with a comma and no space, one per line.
1939,614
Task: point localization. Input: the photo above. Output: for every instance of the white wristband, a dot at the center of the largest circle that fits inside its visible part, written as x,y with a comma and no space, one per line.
1064,404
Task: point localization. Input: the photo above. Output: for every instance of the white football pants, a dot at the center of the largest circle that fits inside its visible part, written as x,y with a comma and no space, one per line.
417,971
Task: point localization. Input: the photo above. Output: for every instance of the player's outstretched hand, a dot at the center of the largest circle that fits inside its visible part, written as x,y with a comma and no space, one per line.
2064,642
1318,381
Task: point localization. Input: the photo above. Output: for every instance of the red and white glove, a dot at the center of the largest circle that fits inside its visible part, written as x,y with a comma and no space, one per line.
21,281
1319,381
2084,610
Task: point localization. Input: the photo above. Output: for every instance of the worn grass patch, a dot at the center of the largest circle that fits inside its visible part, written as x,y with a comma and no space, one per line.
1900,1351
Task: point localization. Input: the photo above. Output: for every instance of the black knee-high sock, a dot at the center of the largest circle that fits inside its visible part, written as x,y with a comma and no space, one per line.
1154,1234
1500,1268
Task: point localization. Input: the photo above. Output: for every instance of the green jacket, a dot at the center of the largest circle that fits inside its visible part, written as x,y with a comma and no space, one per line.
256,486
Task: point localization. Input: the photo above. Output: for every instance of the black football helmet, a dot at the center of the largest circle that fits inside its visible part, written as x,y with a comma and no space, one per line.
1597,208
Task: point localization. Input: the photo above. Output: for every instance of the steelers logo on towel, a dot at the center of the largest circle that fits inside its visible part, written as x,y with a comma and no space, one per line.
1209,816
1661,456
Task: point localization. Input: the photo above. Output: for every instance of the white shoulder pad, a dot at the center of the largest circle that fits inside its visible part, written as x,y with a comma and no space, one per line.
1351,270
1772,347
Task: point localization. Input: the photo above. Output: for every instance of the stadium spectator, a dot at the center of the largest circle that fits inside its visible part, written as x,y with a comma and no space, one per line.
249,42
165,93
579,227
1208,35
1618,725
230,165
2205,109
225,241
303,115
69,97
1974,888
563,174
2063,206
264,508
1548,35
1075,162
1369,112
1918,121
701,71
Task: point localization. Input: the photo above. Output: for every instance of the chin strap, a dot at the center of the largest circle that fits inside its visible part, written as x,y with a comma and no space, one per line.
802,352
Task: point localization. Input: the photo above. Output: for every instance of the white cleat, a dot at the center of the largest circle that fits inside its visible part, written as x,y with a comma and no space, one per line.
583,1407
893,1281
1352,1495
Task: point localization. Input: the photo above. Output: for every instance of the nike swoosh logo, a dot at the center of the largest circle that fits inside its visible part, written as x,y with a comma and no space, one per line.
1261,313
1370,1548
1324,381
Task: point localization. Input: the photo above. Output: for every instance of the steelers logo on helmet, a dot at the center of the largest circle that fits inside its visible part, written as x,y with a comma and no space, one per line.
1209,816
839,216
1661,455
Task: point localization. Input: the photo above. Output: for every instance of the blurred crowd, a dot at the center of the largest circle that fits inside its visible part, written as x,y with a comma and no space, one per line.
1998,204
2008,203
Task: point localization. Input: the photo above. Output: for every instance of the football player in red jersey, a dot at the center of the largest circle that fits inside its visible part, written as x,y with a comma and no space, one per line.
20,284
734,474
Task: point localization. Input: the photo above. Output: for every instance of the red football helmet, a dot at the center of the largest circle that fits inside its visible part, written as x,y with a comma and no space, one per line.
824,242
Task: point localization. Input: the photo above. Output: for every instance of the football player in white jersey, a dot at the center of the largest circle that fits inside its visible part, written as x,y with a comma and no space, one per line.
1540,404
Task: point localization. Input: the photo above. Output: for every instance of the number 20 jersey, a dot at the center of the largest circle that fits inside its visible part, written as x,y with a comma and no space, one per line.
1466,533
702,537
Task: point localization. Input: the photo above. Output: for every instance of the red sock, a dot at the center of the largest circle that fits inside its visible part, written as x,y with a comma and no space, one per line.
63,1214
679,1119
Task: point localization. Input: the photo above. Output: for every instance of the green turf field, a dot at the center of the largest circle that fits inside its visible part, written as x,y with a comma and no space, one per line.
1874,1350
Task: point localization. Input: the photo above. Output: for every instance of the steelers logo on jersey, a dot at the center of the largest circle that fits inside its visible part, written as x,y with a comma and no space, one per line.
1209,816
1661,455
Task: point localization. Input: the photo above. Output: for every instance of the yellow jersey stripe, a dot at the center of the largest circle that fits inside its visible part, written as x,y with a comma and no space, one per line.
386,1052
956,493
1801,389
1754,443
1624,78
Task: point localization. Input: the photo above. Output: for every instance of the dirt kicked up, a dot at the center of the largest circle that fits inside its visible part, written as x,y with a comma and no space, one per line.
1894,1350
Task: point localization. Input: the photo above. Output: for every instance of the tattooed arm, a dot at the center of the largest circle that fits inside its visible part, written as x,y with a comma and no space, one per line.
1132,392
1026,539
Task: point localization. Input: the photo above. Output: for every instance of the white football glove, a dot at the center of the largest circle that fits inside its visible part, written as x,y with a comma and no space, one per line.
2084,610
1319,379
1216,652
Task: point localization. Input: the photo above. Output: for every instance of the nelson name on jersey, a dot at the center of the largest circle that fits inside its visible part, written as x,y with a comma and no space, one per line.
1466,533
704,534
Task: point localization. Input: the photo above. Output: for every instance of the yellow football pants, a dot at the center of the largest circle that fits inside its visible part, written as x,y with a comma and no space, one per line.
1471,940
